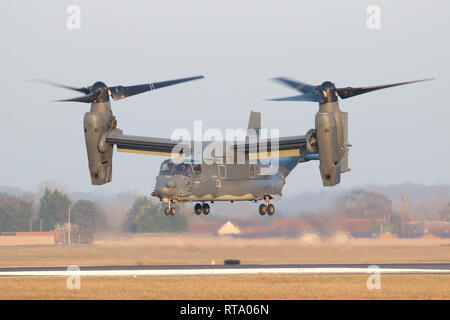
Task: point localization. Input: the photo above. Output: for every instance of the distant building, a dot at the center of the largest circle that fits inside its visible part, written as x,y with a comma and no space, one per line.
228,229
439,228
29,238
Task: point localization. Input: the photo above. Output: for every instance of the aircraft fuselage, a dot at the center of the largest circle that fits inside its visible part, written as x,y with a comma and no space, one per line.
221,182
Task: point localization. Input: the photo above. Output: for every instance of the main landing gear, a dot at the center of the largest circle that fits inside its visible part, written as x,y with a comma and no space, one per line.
199,208
266,207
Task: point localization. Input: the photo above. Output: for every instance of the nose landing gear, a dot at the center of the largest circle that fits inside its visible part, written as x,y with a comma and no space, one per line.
170,210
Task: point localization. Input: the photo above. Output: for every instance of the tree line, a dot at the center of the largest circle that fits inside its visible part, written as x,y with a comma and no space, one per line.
145,215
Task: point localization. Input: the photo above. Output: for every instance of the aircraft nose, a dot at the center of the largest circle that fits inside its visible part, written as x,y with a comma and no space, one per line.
165,186
172,186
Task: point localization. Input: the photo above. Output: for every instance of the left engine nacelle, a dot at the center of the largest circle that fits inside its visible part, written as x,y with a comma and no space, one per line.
99,152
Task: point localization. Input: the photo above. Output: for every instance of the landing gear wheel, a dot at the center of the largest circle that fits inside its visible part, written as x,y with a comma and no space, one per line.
198,209
167,211
262,209
172,211
270,209
206,209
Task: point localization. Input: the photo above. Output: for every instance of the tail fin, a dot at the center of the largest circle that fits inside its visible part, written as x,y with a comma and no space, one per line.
254,125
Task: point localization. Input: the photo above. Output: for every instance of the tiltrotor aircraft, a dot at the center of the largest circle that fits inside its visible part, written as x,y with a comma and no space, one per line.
184,178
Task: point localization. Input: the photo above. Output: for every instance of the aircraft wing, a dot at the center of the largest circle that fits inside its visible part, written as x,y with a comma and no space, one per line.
287,146
292,146
146,145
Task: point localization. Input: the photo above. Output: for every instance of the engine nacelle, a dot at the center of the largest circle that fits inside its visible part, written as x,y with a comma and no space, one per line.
328,147
99,152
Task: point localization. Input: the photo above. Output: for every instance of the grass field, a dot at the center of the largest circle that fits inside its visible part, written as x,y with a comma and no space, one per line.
230,287
188,249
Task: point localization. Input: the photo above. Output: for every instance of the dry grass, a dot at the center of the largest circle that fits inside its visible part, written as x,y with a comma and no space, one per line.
230,287
187,249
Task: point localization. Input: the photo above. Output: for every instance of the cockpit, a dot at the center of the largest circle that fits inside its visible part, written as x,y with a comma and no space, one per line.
184,169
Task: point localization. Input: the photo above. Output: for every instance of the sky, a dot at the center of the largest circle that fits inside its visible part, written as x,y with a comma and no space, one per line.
399,135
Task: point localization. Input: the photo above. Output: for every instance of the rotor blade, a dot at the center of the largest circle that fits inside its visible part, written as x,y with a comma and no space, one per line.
310,96
120,92
89,98
302,87
349,92
55,84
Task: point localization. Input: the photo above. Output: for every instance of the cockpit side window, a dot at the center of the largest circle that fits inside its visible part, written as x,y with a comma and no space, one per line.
166,167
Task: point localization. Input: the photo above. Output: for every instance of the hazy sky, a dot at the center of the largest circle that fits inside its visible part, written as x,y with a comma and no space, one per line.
398,135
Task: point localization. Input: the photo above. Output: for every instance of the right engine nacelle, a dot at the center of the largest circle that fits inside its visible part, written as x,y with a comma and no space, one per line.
99,152
328,147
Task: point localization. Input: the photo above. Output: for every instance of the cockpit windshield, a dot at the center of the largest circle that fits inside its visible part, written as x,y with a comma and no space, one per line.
168,167
182,169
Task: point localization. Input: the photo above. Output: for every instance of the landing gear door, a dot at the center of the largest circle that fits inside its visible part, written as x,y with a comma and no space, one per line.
197,175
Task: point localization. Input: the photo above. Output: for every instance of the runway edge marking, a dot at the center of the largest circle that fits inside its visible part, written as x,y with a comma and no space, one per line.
217,271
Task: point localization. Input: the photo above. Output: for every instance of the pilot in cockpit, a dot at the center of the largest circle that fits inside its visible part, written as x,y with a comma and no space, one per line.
169,168
180,169
166,167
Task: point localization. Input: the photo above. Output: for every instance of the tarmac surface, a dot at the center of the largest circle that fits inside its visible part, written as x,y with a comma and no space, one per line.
227,269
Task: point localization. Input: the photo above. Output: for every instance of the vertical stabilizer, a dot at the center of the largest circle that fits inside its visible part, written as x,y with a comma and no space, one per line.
254,124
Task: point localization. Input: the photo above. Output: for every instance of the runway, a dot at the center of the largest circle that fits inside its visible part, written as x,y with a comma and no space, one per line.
244,269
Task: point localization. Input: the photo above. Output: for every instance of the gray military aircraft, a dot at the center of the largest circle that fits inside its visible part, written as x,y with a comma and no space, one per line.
219,177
